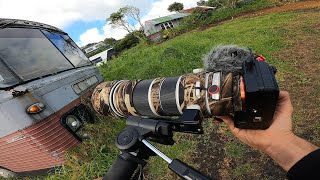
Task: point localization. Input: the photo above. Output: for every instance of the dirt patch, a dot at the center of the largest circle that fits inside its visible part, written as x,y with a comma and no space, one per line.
221,156
303,81
289,7
281,8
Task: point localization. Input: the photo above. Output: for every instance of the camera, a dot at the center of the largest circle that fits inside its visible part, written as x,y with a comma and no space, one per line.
249,95
259,97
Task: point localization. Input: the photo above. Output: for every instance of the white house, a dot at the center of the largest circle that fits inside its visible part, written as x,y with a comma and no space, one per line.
94,47
154,26
104,56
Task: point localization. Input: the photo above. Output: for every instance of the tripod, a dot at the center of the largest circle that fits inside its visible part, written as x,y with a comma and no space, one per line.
135,148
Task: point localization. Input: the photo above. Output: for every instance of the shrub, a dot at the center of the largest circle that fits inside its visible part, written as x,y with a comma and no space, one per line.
127,42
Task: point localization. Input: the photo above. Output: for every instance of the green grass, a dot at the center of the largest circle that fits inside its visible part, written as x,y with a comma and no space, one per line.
95,155
246,6
234,150
265,35
221,14
184,53
157,167
240,171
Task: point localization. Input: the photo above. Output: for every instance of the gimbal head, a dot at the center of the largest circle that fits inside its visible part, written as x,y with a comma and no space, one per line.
135,148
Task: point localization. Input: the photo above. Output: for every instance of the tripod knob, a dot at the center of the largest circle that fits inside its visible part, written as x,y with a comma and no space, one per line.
127,139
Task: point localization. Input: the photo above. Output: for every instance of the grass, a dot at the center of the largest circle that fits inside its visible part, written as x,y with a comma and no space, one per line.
222,13
95,155
234,150
265,35
184,53
240,171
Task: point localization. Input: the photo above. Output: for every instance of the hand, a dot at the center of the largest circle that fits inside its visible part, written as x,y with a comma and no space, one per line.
280,130
278,141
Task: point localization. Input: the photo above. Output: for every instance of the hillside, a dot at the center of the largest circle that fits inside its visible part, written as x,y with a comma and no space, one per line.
289,40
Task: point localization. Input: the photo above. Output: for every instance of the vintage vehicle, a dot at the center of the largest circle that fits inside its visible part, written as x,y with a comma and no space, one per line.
44,76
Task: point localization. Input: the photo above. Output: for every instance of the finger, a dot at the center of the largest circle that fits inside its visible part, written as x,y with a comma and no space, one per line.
284,104
230,123
284,99
217,119
228,120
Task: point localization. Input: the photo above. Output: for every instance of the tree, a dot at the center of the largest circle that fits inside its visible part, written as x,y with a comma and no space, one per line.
109,41
175,7
201,3
123,17
129,41
219,3
216,3
232,3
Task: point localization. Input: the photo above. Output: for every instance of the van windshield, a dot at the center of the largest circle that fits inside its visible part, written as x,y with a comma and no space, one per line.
26,54
65,44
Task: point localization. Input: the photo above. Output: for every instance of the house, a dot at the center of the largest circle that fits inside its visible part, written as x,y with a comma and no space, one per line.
103,56
94,47
154,26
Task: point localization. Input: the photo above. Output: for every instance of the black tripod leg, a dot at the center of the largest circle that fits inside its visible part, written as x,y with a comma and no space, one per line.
124,167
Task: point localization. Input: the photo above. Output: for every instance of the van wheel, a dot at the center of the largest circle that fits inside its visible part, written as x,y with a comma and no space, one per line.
6,173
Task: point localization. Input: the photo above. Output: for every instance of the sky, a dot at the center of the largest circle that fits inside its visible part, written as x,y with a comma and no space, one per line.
84,20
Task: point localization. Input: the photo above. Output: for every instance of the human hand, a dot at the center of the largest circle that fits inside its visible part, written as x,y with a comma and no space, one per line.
278,141
280,129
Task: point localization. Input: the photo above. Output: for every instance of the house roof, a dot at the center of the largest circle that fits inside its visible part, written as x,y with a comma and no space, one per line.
167,18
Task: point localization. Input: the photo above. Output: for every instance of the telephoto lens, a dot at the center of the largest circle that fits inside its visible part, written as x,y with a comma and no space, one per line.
214,92
234,82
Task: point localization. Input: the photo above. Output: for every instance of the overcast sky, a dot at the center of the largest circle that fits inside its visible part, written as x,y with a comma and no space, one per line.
83,20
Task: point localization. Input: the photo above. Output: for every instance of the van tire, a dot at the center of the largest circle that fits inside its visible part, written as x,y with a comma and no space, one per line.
7,173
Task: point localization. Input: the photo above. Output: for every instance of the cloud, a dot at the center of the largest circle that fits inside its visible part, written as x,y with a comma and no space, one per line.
93,35
62,13
157,9
114,33
160,8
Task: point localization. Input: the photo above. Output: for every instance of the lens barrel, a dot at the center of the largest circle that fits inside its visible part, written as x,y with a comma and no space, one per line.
169,96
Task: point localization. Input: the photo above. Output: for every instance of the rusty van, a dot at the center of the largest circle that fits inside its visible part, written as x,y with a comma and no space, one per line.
44,76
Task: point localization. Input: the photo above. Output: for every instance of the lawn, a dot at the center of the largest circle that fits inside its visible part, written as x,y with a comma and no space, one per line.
215,153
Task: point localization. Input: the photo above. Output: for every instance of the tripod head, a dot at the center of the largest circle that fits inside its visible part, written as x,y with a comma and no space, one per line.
135,148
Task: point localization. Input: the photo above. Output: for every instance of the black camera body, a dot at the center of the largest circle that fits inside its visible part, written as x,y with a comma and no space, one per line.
261,95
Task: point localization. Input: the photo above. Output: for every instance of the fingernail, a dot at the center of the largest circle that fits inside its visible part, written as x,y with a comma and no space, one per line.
217,120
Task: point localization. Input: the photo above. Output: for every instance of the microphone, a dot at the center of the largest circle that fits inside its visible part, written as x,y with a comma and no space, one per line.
226,58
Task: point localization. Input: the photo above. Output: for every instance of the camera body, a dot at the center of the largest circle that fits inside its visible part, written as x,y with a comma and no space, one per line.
261,94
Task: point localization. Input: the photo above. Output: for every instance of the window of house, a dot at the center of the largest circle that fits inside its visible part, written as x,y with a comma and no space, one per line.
163,27
167,25
170,24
